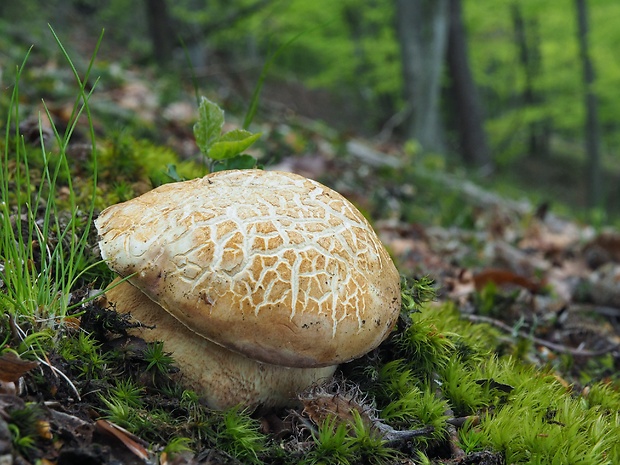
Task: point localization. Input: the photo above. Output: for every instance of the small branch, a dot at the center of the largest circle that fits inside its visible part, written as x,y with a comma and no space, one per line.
453,436
458,422
58,372
393,436
560,348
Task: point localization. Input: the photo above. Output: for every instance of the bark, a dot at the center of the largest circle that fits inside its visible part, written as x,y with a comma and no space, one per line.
592,128
465,99
422,28
528,42
161,31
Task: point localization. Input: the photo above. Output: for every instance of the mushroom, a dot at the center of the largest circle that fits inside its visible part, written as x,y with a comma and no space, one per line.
259,282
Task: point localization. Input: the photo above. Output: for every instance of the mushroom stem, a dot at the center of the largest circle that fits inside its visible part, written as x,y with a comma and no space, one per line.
223,377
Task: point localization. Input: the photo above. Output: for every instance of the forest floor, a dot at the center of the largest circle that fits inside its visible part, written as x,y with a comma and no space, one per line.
549,285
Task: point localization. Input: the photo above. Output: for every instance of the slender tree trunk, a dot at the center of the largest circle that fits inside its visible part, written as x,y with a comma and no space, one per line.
160,30
422,27
528,41
592,129
470,123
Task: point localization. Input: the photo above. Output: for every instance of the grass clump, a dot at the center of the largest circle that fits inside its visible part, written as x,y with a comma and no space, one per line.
43,249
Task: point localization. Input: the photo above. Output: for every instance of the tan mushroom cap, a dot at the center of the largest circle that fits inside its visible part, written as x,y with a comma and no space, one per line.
269,264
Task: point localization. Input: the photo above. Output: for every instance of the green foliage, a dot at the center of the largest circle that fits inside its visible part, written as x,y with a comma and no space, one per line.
85,355
459,385
424,346
224,150
552,428
239,435
417,408
23,426
601,395
368,444
523,412
331,445
551,32
127,392
341,442
177,445
121,413
126,162
471,439
159,362
193,425
416,292
44,254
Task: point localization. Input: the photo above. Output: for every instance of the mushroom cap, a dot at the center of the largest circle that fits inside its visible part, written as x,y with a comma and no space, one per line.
269,264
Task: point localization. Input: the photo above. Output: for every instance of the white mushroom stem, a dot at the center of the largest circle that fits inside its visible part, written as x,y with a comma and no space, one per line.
224,378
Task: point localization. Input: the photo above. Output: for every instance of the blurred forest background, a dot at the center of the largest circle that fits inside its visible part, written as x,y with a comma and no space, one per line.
521,95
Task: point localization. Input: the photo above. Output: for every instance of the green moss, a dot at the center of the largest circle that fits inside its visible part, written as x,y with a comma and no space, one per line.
23,425
84,354
126,161
443,365
239,435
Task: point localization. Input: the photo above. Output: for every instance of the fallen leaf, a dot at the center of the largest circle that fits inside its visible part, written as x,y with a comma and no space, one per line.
12,367
504,277
129,440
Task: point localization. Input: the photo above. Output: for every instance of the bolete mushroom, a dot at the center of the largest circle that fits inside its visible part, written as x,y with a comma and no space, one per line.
259,282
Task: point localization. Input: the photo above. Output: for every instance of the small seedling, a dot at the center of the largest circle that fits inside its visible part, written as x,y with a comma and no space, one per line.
224,150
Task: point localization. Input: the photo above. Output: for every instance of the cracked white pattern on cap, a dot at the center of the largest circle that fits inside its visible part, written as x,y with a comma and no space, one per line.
269,264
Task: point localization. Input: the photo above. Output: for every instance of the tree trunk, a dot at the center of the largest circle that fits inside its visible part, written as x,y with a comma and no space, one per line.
469,120
528,41
160,30
592,131
422,28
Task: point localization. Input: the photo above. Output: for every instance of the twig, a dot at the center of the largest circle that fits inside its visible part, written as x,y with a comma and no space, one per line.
560,348
458,422
453,436
57,372
393,436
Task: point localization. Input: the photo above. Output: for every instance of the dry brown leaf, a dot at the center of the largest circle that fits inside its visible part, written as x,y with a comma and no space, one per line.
12,367
502,277
129,440
602,249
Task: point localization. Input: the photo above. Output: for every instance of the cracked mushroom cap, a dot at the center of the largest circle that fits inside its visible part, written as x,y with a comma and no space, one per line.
271,265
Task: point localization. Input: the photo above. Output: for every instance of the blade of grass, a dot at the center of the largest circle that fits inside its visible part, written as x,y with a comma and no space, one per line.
12,239
253,107
42,294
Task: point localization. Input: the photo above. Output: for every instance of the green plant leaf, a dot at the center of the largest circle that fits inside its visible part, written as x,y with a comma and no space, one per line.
240,162
208,128
232,143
